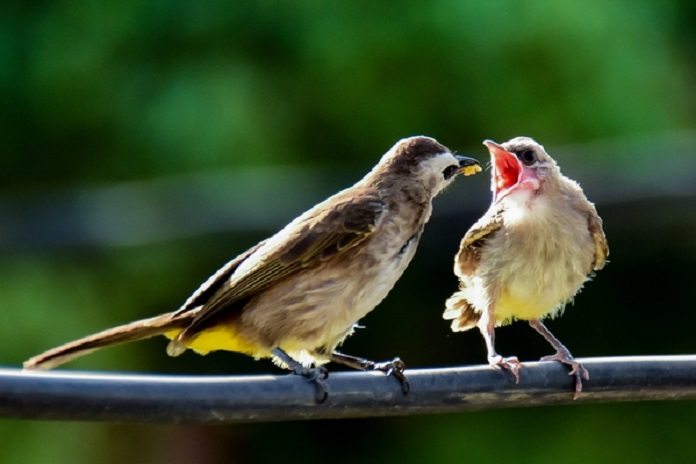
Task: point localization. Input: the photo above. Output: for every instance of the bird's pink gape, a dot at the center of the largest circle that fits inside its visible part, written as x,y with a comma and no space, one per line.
509,173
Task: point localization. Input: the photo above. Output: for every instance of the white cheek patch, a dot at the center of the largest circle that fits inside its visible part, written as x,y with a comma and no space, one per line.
433,170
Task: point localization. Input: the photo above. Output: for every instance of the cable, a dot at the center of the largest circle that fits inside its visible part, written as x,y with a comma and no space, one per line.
238,399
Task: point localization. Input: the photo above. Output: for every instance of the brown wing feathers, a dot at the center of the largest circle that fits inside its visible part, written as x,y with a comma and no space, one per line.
324,235
458,309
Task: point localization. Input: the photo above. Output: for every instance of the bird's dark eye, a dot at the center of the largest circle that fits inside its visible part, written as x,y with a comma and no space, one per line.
528,157
450,171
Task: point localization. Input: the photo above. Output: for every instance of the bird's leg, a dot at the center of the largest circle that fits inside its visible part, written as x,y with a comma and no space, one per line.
486,325
394,367
316,375
562,355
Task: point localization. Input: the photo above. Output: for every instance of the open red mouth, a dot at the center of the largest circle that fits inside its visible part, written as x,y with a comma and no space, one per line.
507,171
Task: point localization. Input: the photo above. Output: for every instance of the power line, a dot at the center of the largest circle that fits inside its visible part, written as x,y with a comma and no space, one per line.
239,399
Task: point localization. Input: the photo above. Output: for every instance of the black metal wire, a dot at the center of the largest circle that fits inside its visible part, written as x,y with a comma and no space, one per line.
238,399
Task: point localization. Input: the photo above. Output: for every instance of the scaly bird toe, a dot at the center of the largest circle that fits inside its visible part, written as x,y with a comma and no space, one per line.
511,364
315,375
576,369
396,368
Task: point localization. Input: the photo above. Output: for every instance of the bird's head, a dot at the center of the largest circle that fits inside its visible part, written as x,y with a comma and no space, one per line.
519,164
426,161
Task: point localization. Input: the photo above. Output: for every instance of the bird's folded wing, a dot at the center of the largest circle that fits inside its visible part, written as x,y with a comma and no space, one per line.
329,232
467,258
594,224
215,282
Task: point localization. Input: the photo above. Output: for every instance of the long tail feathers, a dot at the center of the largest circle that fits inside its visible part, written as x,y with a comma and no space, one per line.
138,330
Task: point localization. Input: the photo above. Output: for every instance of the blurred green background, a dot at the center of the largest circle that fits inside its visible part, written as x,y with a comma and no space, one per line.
144,143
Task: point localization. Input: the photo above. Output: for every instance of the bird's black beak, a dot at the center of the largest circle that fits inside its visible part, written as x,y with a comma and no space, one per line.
468,166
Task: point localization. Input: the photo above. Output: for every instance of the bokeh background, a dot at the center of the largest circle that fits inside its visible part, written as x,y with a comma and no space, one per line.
144,143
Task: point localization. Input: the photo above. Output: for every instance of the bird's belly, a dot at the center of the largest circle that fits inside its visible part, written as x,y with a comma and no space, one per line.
536,293
312,334
314,314
511,305
538,264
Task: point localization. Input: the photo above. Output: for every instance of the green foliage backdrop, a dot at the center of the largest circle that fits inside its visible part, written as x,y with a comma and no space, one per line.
144,143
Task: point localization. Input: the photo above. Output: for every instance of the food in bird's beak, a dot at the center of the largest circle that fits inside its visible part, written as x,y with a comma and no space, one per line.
470,170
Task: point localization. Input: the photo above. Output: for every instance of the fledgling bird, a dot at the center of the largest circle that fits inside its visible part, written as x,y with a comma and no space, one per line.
529,254
297,295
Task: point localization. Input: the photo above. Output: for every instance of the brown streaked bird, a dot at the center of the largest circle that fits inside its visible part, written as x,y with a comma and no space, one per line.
529,254
297,295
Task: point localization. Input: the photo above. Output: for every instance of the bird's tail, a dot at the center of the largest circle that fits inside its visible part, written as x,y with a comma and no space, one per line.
461,313
165,324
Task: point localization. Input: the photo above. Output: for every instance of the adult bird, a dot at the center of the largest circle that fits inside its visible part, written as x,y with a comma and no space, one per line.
297,295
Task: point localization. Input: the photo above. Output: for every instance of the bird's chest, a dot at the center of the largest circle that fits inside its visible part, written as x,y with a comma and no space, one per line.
543,255
364,280
386,258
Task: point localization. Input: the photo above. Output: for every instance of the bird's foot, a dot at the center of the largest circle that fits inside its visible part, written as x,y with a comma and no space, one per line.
511,364
396,368
576,369
315,375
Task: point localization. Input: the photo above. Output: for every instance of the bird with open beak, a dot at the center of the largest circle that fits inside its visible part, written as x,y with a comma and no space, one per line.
529,254
297,295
